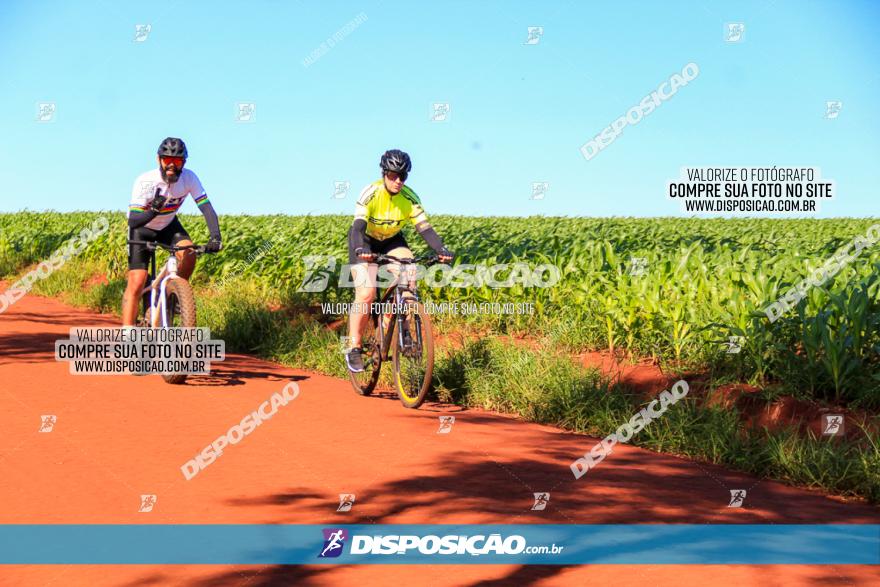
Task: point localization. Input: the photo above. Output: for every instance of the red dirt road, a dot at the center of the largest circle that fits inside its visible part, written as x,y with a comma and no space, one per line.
119,437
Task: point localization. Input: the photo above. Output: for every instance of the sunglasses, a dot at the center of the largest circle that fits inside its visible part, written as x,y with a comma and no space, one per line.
392,175
177,161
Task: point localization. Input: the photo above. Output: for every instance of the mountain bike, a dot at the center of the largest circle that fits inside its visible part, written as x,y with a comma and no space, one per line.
167,299
407,336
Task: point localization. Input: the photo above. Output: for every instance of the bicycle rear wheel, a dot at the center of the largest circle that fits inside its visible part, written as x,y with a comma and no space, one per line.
365,382
414,361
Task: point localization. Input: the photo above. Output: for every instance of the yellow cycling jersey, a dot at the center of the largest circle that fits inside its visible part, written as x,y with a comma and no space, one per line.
385,213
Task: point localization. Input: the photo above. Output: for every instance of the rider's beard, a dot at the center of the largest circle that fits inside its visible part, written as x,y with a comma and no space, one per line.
170,178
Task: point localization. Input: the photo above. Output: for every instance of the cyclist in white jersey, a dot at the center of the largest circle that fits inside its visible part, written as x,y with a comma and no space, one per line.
152,216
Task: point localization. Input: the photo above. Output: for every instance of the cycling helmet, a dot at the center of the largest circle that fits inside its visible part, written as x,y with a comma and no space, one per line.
395,160
172,147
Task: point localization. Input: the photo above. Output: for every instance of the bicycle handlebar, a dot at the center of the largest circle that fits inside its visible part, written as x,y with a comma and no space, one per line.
153,245
431,258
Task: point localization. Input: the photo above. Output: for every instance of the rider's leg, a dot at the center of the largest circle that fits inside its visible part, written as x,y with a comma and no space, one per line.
186,259
402,252
176,235
138,261
132,297
364,277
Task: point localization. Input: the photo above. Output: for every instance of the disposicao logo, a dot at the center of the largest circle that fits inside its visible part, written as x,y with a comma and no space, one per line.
334,541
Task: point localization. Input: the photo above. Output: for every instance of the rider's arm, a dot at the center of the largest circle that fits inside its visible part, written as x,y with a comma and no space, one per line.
138,217
358,234
205,207
430,235
210,219
361,213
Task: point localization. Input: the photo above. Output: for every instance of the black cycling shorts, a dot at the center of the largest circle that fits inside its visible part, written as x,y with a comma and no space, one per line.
139,256
379,247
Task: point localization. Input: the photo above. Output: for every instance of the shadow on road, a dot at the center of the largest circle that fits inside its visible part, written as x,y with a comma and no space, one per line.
63,318
471,487
28,347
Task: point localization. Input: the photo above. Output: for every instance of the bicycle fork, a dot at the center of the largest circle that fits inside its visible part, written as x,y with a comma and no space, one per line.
158,300
404,318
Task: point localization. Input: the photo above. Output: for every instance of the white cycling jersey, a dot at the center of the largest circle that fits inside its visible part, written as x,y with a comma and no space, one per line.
144,190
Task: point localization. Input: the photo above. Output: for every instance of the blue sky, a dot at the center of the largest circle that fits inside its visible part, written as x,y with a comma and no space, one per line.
519,113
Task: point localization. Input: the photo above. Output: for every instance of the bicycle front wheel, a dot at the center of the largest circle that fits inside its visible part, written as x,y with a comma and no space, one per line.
413,355
180,311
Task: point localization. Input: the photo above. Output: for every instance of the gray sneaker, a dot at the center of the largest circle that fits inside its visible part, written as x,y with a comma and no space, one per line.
354,360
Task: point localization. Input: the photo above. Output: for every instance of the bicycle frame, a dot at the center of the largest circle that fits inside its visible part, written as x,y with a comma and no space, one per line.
158,301
397,290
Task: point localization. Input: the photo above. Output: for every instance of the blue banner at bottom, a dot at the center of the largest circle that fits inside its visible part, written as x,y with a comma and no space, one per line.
838,544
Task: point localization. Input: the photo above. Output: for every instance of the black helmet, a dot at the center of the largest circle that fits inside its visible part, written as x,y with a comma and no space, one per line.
172,147
395,160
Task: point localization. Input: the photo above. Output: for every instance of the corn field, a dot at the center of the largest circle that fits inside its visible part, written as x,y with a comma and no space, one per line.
688,292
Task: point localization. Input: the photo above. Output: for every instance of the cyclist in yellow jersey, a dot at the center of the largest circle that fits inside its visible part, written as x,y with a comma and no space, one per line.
383,209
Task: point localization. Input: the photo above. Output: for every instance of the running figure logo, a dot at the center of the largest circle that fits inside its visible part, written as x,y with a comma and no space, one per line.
46,112
47,423
833,424
148,190
541,501
446,423
734,344
440,111
334,541
141,32
346,500
539,190
734,32
737,498
340,189
832,109
245,112
147,503
637,266
535,33
318,270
